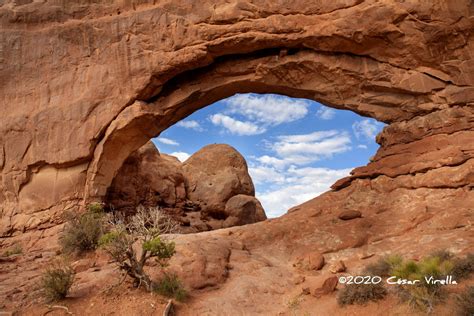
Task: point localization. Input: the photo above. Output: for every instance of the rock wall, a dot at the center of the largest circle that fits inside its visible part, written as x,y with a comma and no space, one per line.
83,85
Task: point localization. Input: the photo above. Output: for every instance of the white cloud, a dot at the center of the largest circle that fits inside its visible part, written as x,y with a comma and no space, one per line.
286,182
367,129
326,113
272,161
167,141
307,148
311,137
191,124
362,146
267,109
235,126
181,155
299,185
263,174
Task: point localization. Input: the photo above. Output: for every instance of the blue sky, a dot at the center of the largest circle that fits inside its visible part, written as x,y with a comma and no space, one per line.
295,148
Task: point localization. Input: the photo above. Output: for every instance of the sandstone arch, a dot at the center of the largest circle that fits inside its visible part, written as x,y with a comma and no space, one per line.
343,81
81,82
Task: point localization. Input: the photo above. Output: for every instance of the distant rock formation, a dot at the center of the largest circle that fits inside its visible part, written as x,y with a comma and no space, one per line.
211,190
213,175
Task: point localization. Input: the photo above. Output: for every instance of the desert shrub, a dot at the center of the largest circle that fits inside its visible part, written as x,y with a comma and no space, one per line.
96,208
463,267
170,286
82,232
465,302
146,228
442,254
383,266
57,281
360,294
422,295
15,250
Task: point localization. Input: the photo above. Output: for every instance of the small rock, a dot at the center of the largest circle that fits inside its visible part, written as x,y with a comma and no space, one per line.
338,267
350,214
305,291
299,279
310,261
328,287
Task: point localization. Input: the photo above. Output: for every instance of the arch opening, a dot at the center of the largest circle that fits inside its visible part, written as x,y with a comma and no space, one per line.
342,82
292,150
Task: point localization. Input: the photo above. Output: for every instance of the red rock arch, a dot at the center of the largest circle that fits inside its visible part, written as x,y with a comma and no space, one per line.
82,87
342,81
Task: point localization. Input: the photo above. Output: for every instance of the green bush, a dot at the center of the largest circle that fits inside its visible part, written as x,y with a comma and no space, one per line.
57,281
360,294
465,302
82,232
170,286
160,249
422,295
96,208
146,227
463,267
383,266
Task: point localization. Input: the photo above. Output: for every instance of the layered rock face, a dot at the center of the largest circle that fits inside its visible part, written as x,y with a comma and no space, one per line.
82,86
211,190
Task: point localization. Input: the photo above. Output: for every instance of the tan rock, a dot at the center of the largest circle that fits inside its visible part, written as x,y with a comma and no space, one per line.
213,175
338,267
329,285
311,261
243,209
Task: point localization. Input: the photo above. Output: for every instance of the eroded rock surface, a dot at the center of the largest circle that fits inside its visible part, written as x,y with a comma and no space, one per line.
82,86
85,85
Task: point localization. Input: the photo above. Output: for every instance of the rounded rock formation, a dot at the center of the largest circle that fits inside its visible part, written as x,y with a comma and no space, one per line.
147,178
154,179
243,209
213,175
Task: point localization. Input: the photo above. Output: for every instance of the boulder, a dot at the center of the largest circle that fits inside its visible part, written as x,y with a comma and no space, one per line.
311,261
148,178
213,175
151,178
243,209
